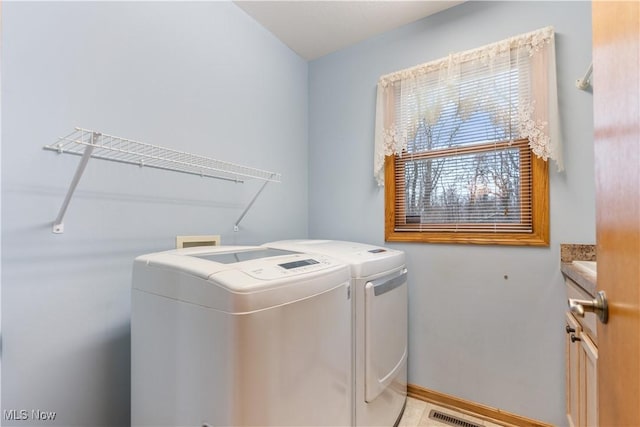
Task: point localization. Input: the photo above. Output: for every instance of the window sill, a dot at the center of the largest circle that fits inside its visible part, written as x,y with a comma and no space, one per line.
508,239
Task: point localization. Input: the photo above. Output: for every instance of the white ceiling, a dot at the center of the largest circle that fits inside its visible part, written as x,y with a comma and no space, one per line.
315,28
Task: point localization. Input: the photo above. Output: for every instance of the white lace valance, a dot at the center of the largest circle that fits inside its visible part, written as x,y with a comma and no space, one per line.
511,84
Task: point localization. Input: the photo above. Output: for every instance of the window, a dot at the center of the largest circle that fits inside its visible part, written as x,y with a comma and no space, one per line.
462,144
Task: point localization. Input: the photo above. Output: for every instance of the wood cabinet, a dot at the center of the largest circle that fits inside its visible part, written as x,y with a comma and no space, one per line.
588,390
573,369
581,364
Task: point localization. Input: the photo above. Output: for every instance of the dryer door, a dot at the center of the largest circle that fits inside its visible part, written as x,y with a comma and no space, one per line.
385,332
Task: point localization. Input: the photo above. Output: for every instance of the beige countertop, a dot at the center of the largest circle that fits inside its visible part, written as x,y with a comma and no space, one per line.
572,252
582,279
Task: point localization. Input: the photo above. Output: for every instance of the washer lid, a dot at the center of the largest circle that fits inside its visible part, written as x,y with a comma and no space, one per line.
234,257
365,260
203,261
244,282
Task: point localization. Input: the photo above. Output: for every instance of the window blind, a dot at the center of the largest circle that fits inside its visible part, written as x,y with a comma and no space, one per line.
482,188
464,168
462,142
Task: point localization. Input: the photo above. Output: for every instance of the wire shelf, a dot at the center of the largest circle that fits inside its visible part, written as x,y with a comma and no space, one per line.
122,150
91,144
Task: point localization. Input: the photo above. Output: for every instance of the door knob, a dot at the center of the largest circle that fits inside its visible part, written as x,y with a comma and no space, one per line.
569,329
575,338
598,306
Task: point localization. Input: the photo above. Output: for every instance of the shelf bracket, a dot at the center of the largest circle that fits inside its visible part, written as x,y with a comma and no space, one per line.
58,225
585,82
237,224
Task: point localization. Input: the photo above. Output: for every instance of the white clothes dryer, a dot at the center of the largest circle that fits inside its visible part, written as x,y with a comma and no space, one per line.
379,320
240,336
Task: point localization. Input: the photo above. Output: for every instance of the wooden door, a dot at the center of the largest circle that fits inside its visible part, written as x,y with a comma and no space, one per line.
616,90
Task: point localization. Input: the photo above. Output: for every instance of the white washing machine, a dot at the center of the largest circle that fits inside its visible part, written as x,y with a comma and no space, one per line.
379,278
239,336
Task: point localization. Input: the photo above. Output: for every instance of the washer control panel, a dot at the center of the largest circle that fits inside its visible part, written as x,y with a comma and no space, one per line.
298,264
272,268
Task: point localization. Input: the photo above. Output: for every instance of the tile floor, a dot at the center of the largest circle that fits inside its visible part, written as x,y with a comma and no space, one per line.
416,414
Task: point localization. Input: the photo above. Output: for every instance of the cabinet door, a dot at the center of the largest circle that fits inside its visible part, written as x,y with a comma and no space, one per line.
574,370
588,382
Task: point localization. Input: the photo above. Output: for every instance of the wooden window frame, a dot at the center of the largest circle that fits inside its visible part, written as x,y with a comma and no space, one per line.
539,236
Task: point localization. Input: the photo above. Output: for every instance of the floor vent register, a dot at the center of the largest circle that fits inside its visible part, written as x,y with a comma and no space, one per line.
450,419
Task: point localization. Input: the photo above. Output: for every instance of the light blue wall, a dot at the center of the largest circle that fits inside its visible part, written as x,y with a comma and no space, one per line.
205,78
195,76
472,333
